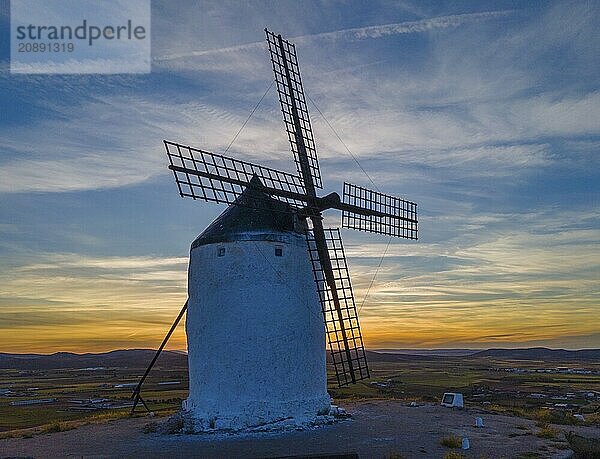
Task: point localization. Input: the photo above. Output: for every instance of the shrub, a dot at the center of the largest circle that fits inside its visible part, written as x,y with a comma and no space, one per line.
451,441
545,416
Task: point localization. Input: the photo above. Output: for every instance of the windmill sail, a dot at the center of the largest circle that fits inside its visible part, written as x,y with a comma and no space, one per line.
375,212
331,275
203,175
343,331
293,105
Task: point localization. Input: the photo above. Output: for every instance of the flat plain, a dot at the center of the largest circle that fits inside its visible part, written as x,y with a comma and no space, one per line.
531,403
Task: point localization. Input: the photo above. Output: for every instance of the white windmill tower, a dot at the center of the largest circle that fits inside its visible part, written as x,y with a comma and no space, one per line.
256,340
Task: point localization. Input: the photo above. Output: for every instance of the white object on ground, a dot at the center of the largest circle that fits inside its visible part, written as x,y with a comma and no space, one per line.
580,417
453,400
465,443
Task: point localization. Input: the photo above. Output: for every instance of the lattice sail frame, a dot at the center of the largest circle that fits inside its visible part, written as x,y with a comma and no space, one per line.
224,178
356,348
399,219
286,62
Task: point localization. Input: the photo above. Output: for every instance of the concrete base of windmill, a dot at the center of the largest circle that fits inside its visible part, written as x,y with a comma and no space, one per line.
261,416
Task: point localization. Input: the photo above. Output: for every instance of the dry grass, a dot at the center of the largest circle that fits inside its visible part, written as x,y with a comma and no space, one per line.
62,426
451,441
592,419
542,416
57,427
394,455
548,432
584,447
453,455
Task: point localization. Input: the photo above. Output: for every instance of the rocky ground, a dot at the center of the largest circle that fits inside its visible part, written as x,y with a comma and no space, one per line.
378,429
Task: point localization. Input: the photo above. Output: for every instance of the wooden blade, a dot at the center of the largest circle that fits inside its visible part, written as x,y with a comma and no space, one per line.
294,109
337,302
374,212
203,175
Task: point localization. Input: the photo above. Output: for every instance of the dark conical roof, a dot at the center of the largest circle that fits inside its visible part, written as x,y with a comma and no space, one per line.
254,211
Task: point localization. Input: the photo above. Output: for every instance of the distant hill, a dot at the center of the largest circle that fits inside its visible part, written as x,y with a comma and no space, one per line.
377,356
140,358
541,353
441,352
130,358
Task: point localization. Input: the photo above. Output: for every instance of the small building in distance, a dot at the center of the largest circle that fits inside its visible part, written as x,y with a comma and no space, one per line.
35,401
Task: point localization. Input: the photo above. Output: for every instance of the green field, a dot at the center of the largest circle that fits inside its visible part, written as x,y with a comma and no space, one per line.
484,383
73,390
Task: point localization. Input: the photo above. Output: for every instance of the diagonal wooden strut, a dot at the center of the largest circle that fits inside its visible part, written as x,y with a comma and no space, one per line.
136,396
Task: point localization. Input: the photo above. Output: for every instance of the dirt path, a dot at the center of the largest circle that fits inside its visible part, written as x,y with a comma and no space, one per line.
376,429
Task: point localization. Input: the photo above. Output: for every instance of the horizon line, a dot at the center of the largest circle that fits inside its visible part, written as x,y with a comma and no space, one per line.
381,350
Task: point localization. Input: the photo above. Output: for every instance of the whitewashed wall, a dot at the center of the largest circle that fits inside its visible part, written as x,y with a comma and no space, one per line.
256,341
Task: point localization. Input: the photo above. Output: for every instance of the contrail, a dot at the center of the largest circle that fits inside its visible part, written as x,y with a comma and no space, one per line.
360,33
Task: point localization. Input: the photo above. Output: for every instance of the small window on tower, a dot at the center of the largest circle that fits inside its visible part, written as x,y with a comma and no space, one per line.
279,251
221,252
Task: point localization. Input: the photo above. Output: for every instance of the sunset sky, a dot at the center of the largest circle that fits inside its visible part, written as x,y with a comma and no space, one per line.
487,114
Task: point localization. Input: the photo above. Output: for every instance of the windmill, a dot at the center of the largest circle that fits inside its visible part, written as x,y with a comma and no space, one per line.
268,209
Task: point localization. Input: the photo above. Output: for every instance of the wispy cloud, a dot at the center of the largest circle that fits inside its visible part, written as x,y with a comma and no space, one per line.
466,136
90,148
54,295
488,122
532,275
424,25
357,33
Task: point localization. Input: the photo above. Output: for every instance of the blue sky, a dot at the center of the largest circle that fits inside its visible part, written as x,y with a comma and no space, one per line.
484,113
